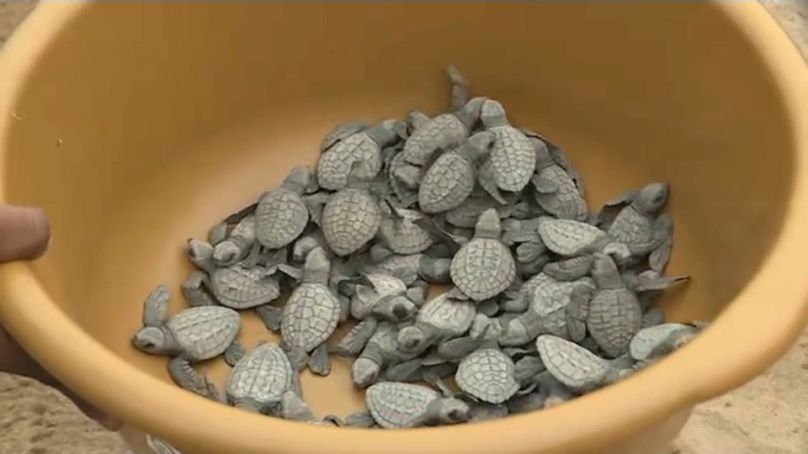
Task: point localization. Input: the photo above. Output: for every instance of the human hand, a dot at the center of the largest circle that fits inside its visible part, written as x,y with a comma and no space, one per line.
24,235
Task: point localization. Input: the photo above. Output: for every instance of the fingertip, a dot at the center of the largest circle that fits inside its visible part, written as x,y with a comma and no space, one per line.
24,232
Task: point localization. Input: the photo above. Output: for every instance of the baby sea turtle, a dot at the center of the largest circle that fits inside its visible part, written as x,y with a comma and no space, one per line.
484,267
638,224
379,352
236,286
445,130
513,159
568,238
351,217
614,314
488,375
450,180
281,215
311,316
547,312
385,296
556,191
440,319
404,405
193,335
364,146
400,233
260,378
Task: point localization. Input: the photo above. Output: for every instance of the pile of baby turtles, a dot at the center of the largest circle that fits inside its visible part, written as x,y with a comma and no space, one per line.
543,300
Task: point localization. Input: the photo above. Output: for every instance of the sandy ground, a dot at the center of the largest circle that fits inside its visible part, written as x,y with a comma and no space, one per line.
767,416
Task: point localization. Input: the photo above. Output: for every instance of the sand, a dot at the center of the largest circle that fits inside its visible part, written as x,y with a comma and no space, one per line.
767,416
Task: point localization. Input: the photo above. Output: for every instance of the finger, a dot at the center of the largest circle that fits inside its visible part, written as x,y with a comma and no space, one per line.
14,360
24,233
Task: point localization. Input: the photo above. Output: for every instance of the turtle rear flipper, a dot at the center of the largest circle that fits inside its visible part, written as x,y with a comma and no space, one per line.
184,375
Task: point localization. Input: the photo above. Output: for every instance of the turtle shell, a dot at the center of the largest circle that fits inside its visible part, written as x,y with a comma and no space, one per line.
488,375
309,317
398,405
648,339
341,132
483,268
204,332
402,236
243,288
280,217
446,184
568,237
576,367
450,317
513,159
406,196
351,218
566,202
615,316
262,375
336,163
631,227
442,131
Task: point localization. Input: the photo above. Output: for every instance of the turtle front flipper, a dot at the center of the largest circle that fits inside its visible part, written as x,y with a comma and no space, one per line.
570,269
455,349
193,288
294,408
319,363
362,419
271,316
577,311
651,280
485,176
356,339
663,233
407,371
460,88
155,305
233,354
184,375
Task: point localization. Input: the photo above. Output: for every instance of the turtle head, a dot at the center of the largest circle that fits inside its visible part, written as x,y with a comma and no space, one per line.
200,253
226,253
605,271
317,268
298,180
364,372
452,411
411,339
488,225
652,197
492,114
401,308
151,339
470,113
